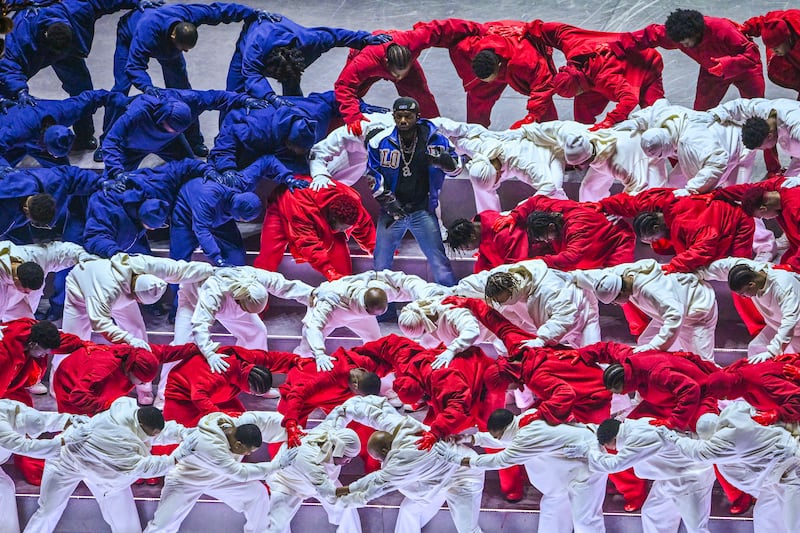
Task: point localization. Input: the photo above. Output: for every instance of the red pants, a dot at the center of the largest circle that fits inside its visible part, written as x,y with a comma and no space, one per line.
187,413
637,320
752,319
587,106
274,242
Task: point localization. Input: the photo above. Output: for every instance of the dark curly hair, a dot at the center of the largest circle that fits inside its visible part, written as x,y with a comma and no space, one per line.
285,63
755,131
45,334
344,209
485,63
684,24
538,223
461,233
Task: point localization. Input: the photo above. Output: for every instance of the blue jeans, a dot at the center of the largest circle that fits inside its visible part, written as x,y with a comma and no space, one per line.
424,226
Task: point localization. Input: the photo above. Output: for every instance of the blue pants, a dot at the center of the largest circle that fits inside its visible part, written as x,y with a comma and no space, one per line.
183,242
74,76
424,226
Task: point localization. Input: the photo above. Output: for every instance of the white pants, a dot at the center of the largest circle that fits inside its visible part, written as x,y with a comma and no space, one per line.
125,313
761,341
9,521
764,245
777,508
696,335
567,504
365,327
284,506
463,497
117,507
687,498
178,499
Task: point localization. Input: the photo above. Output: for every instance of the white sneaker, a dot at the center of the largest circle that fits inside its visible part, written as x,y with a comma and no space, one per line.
272,394
38,388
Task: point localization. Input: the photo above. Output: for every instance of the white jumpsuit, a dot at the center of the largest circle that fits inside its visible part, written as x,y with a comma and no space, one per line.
572,496
681,487
340,303
760,460
422,477
778,302
683,308
788,118
52,257
312,475
19,427
216,471
112,452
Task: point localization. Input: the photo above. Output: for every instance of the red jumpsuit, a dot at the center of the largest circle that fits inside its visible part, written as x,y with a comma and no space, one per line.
94,375
306,389
499,248
194,391
762,385
722,40
299,220
670,384
588,239
636,79
565,392
17,369
367,66
526,65
788,218
782,70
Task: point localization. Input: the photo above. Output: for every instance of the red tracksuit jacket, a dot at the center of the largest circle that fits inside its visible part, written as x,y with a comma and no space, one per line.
367,66
723,230
588,238
16,368
565,391
501,248
762,385
670,384
527,66
194,391
783,70
788,219
458,396
302,214
92,377
306,389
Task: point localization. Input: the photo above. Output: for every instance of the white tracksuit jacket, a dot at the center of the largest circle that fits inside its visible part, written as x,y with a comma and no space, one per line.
99,289
341,303
52,257
683,308
788,116
778,302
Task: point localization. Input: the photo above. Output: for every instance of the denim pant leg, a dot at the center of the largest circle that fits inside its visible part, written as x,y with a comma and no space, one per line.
387,240
425,228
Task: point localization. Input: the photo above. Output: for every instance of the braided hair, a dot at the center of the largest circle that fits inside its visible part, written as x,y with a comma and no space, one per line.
461,233
498,283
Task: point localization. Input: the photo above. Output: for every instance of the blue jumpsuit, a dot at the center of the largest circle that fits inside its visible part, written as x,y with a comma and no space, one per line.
25,55
21,127
261,136
202,217
246,72
144,35
136,134
113,224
